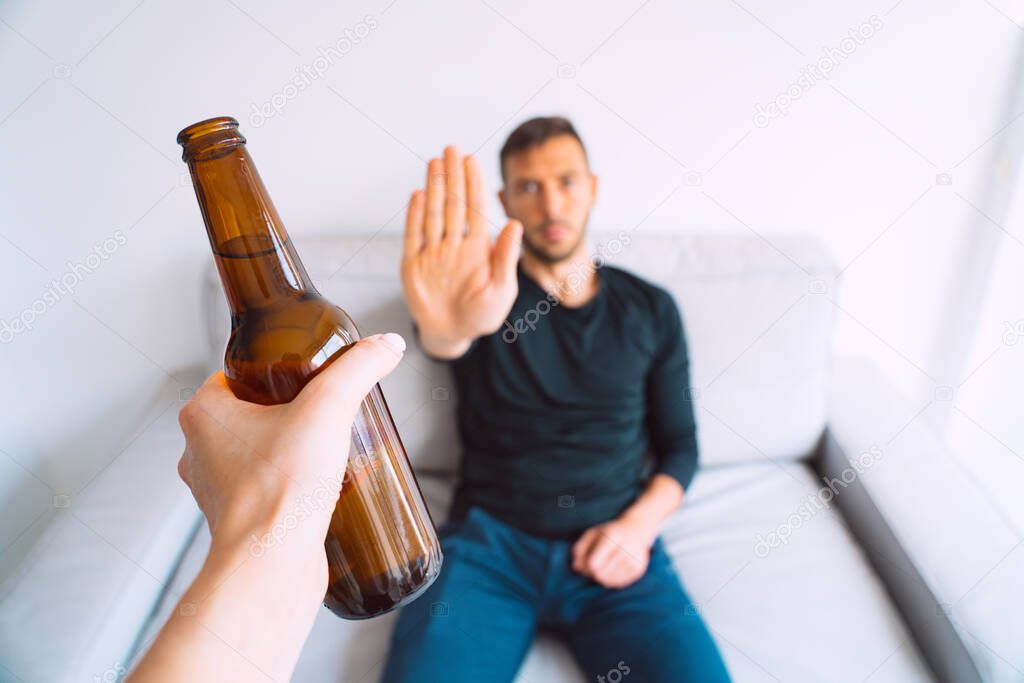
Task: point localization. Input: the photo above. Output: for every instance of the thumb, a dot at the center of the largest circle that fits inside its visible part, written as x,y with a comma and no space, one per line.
347,380
506,253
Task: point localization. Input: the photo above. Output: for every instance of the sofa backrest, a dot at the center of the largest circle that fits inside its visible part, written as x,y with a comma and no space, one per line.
757,315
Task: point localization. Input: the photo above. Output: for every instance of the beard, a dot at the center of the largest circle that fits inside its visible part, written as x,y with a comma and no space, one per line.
551,254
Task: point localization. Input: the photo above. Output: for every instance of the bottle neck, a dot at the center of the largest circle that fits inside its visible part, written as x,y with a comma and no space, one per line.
257,263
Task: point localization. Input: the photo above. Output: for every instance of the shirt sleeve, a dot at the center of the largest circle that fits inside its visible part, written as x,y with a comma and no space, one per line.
670,415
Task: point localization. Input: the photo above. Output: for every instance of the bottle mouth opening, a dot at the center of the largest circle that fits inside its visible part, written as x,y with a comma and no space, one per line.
209,137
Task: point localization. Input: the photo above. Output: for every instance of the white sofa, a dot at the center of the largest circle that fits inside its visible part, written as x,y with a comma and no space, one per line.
908,574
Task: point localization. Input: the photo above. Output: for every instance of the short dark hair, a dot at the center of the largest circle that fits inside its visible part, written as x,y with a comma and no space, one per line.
535,132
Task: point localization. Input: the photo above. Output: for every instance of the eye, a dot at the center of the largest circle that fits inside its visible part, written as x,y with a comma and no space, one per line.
568,181
530,187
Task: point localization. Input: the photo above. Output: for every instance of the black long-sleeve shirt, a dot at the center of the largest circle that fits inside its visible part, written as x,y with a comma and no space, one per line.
558,408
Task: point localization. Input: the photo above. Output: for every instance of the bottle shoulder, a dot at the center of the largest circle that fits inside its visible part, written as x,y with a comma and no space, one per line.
294,339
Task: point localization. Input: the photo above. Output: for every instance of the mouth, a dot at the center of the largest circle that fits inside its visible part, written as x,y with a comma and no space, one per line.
555,232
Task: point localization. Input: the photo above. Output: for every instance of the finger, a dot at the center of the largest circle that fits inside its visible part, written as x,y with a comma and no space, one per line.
475,199
433,225
632,570
603,553
580,546
605,576
506,254
581,549
455,202
618,573
343,384
414,224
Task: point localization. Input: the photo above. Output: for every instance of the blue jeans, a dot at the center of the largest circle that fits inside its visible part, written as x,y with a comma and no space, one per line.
499,585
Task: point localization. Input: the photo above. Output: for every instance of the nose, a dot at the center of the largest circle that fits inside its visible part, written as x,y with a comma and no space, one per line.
552,200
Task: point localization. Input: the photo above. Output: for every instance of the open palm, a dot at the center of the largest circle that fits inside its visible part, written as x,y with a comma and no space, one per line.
458,285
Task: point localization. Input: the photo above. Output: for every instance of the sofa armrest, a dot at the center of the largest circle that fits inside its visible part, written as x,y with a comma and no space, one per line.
951,562
76,604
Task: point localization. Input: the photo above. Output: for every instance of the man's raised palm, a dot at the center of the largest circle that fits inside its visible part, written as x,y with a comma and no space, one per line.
458,285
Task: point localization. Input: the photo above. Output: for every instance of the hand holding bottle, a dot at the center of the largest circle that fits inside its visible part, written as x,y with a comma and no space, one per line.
249,465
458,285
252,468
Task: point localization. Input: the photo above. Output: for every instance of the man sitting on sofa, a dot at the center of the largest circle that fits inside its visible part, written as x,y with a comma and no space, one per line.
568,372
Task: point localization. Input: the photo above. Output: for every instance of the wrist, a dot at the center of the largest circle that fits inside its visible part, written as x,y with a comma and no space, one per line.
446,335
643,521
298,572
446,345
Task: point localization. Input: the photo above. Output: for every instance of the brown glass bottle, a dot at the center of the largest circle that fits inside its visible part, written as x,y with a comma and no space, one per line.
382,549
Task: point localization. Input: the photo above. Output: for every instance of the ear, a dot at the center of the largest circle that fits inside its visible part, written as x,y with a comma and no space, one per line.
593,189
504,200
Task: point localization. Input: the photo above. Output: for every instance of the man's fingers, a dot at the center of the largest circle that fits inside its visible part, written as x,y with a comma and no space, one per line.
632,571
346,381
455,201
414,224
506,254
433,225
476,202
581,549
617,573
603,553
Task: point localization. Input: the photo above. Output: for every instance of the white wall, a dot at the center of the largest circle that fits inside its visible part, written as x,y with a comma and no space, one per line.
664,94
983,421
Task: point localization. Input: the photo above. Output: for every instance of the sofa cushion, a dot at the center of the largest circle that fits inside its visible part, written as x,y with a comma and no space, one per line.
786,590
78,600
756,314
808,609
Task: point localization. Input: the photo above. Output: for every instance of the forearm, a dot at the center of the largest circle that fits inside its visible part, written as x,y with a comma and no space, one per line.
662,496
244,618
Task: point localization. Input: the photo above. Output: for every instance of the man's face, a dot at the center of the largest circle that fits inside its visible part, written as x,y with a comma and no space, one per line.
550,190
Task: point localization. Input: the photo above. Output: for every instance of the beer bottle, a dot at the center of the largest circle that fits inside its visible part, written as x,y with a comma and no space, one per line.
382,550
